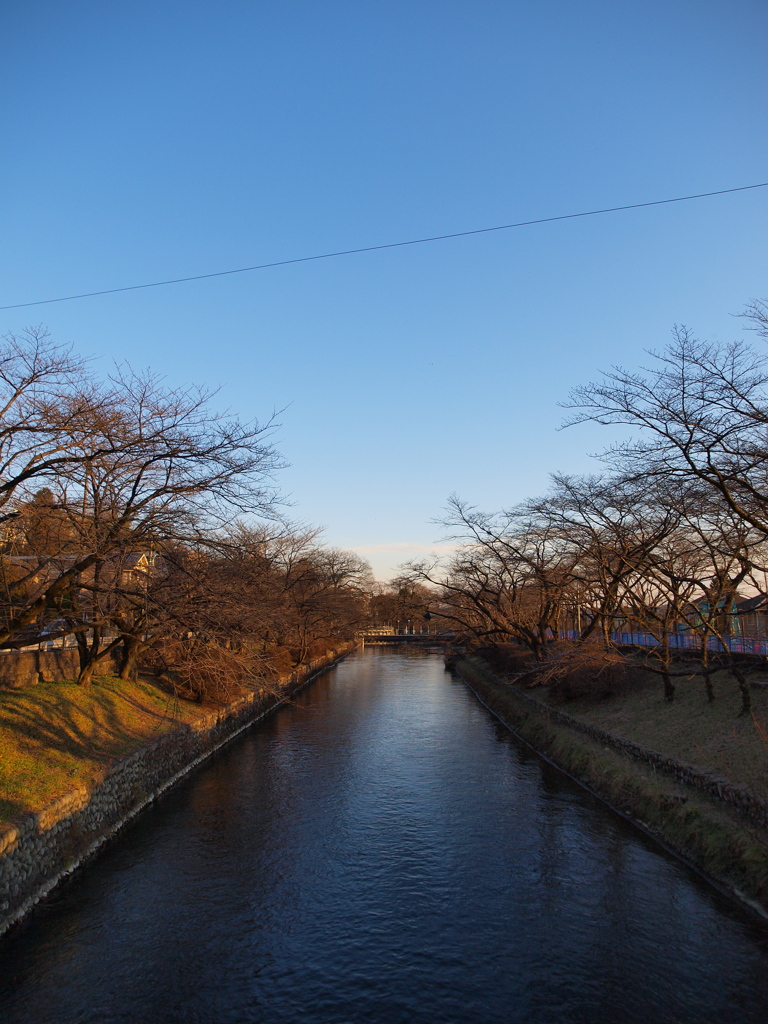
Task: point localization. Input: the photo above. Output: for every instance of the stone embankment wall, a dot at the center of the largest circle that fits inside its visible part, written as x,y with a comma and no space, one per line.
20,669
39,850
708,782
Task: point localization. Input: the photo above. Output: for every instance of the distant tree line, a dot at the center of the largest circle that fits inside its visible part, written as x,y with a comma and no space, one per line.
666,541
143,525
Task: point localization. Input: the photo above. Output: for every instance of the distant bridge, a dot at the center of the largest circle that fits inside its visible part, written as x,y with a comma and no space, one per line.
376,636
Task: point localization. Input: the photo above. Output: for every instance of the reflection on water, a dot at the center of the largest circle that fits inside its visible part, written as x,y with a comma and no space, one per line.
383,850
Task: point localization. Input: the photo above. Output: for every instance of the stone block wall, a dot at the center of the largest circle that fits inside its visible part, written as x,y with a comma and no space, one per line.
26,668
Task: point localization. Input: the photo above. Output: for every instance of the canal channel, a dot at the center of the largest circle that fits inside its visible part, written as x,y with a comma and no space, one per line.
383,850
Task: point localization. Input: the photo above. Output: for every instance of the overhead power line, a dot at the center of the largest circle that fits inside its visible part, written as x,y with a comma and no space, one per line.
386,245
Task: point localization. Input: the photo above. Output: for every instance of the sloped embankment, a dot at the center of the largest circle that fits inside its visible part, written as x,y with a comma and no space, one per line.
668,799
76,764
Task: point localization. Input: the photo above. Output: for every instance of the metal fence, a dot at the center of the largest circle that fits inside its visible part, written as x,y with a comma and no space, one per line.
686,641
60,643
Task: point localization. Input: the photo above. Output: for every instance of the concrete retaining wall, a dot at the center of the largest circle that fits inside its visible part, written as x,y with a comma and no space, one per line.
39,850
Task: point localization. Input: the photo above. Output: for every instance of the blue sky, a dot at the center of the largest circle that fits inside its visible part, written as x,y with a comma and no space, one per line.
153,140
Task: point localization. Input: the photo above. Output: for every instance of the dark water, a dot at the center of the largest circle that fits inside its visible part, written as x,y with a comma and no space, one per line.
383,851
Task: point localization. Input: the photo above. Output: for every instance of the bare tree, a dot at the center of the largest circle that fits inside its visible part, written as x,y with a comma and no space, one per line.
725,553
253,601
508,582
702,413
325,595
653,602
612,525
144,465
44,391
404,601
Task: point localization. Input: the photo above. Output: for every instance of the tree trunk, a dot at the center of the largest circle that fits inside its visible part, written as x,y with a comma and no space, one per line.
706,668
130,658
669,686
86,674
606,629
89,655
746,700
708,683
82,648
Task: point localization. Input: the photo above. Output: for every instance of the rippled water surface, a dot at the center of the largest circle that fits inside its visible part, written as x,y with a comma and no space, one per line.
383,850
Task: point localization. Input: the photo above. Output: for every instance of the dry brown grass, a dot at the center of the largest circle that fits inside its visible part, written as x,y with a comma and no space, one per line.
710,735
56,736
715,837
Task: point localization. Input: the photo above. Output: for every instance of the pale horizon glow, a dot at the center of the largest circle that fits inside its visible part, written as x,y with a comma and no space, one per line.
386,559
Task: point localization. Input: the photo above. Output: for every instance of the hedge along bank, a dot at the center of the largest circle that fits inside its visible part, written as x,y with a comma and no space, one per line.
38,850
717,828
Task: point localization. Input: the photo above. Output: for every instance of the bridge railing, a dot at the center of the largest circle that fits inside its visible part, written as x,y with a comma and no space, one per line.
401,631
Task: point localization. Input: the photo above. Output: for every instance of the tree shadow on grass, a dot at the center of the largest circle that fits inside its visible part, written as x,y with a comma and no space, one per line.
10,809
55,735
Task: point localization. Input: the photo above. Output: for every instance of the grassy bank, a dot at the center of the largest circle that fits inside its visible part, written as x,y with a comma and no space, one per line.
708,734
715,838
55,737
59,737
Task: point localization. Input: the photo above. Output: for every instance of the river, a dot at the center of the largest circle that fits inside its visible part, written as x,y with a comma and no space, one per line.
382,850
